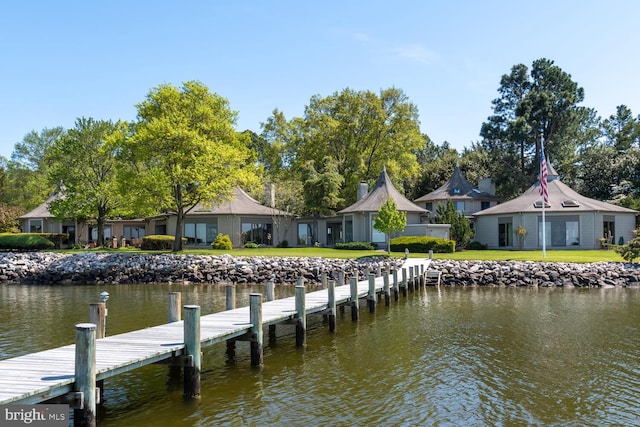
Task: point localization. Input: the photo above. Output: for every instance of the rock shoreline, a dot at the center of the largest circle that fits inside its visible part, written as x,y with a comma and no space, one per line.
114,268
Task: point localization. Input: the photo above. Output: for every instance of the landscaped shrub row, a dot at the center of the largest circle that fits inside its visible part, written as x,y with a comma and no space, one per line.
355,246
422,244
25,242
158,242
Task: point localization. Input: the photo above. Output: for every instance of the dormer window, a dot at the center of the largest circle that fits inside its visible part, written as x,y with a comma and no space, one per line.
456,191
570,203
538,204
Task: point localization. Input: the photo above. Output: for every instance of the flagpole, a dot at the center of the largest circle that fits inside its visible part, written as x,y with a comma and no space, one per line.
543,191
544,232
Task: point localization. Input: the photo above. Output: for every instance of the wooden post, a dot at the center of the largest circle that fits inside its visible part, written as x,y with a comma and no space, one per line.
230,304
340,278
395,284
192,349
175,303
355,305
323,280
371,297
411,282
85,374
98,318
270,297
378,271
387,294
332,305
423,282
430,253
301,314
255,313
403,284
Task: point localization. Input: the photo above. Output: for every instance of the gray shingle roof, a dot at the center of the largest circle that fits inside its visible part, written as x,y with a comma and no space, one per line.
457,187
239,204
42,211
381,192
562,199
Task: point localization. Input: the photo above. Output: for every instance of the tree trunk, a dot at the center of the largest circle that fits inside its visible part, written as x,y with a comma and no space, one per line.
177,243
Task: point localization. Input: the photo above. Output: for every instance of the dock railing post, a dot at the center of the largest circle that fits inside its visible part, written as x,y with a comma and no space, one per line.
175,305
387,293
255,313
270,297
423,282
371,297
332,305
395,284
98,316
192,349
85,374
230,304
301,314
403,284
355,305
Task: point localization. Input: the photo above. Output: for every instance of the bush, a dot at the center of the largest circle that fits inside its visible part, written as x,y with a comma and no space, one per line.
251,245
56,238
158,242
25,242
422,244
222,242
355,246
283,244
476,246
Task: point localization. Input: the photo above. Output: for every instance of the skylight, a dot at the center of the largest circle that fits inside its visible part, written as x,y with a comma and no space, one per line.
477,191
570,203
538,204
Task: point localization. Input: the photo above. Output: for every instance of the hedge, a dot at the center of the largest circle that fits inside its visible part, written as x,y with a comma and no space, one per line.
355,246
159,242
422,244
25,242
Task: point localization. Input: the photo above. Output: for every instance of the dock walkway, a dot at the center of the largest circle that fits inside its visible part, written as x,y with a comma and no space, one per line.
41,376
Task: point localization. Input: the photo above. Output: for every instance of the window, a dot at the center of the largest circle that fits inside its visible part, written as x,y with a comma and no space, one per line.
609,229
161,229
485,205
459,207
560,231
377,236
35,226
259,233
505,232
429,207
348,229
133,232
200,233
94,233
306,234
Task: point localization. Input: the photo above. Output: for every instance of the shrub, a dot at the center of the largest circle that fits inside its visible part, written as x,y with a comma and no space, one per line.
158,242
422,244
250,245
355,246
25,242
476,246
223,241
283,244
56,238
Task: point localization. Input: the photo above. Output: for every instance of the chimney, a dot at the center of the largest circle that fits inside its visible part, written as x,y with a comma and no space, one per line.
270,195
363,189
487,185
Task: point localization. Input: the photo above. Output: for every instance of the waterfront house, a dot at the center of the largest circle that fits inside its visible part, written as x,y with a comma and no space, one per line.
571,220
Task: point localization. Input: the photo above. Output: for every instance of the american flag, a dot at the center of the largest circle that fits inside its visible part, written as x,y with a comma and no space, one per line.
544,191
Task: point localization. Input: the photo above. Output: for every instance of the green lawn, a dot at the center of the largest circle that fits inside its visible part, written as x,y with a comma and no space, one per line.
482,255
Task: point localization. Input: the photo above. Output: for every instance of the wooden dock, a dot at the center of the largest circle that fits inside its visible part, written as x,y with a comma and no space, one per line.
50,374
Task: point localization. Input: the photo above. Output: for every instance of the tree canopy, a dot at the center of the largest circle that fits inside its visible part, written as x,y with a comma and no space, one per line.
390,220
186,151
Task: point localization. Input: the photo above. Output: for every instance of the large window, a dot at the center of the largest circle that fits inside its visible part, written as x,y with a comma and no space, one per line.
609,229
94,233
35,226
348,229
459,206
133,232
560,231
259,233
377,236
485,205
306,234
200,233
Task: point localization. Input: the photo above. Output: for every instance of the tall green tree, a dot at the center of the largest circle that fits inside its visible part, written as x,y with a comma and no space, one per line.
321,188
460,230
390,220
186,150
535,107
622,130
28,168
360,132
83,164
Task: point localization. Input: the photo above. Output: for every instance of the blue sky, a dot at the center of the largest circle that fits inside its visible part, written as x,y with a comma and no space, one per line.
65,59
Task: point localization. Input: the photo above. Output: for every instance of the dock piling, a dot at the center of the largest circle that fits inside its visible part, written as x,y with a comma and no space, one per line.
192,350
301,314
255,313
355,304
85,374
175,303
230,304
332,305
385,289
371,297
395,284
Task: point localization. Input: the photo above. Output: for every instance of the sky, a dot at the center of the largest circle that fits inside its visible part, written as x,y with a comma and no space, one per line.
61,60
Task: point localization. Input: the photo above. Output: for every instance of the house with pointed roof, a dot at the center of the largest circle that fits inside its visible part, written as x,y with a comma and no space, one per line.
358,219
571,220
241,217
466,198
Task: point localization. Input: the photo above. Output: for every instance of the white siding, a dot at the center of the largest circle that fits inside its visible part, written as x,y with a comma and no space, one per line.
487,231
625,224
530,222
588,235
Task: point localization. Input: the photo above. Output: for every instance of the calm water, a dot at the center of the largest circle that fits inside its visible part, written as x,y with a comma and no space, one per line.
440,357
